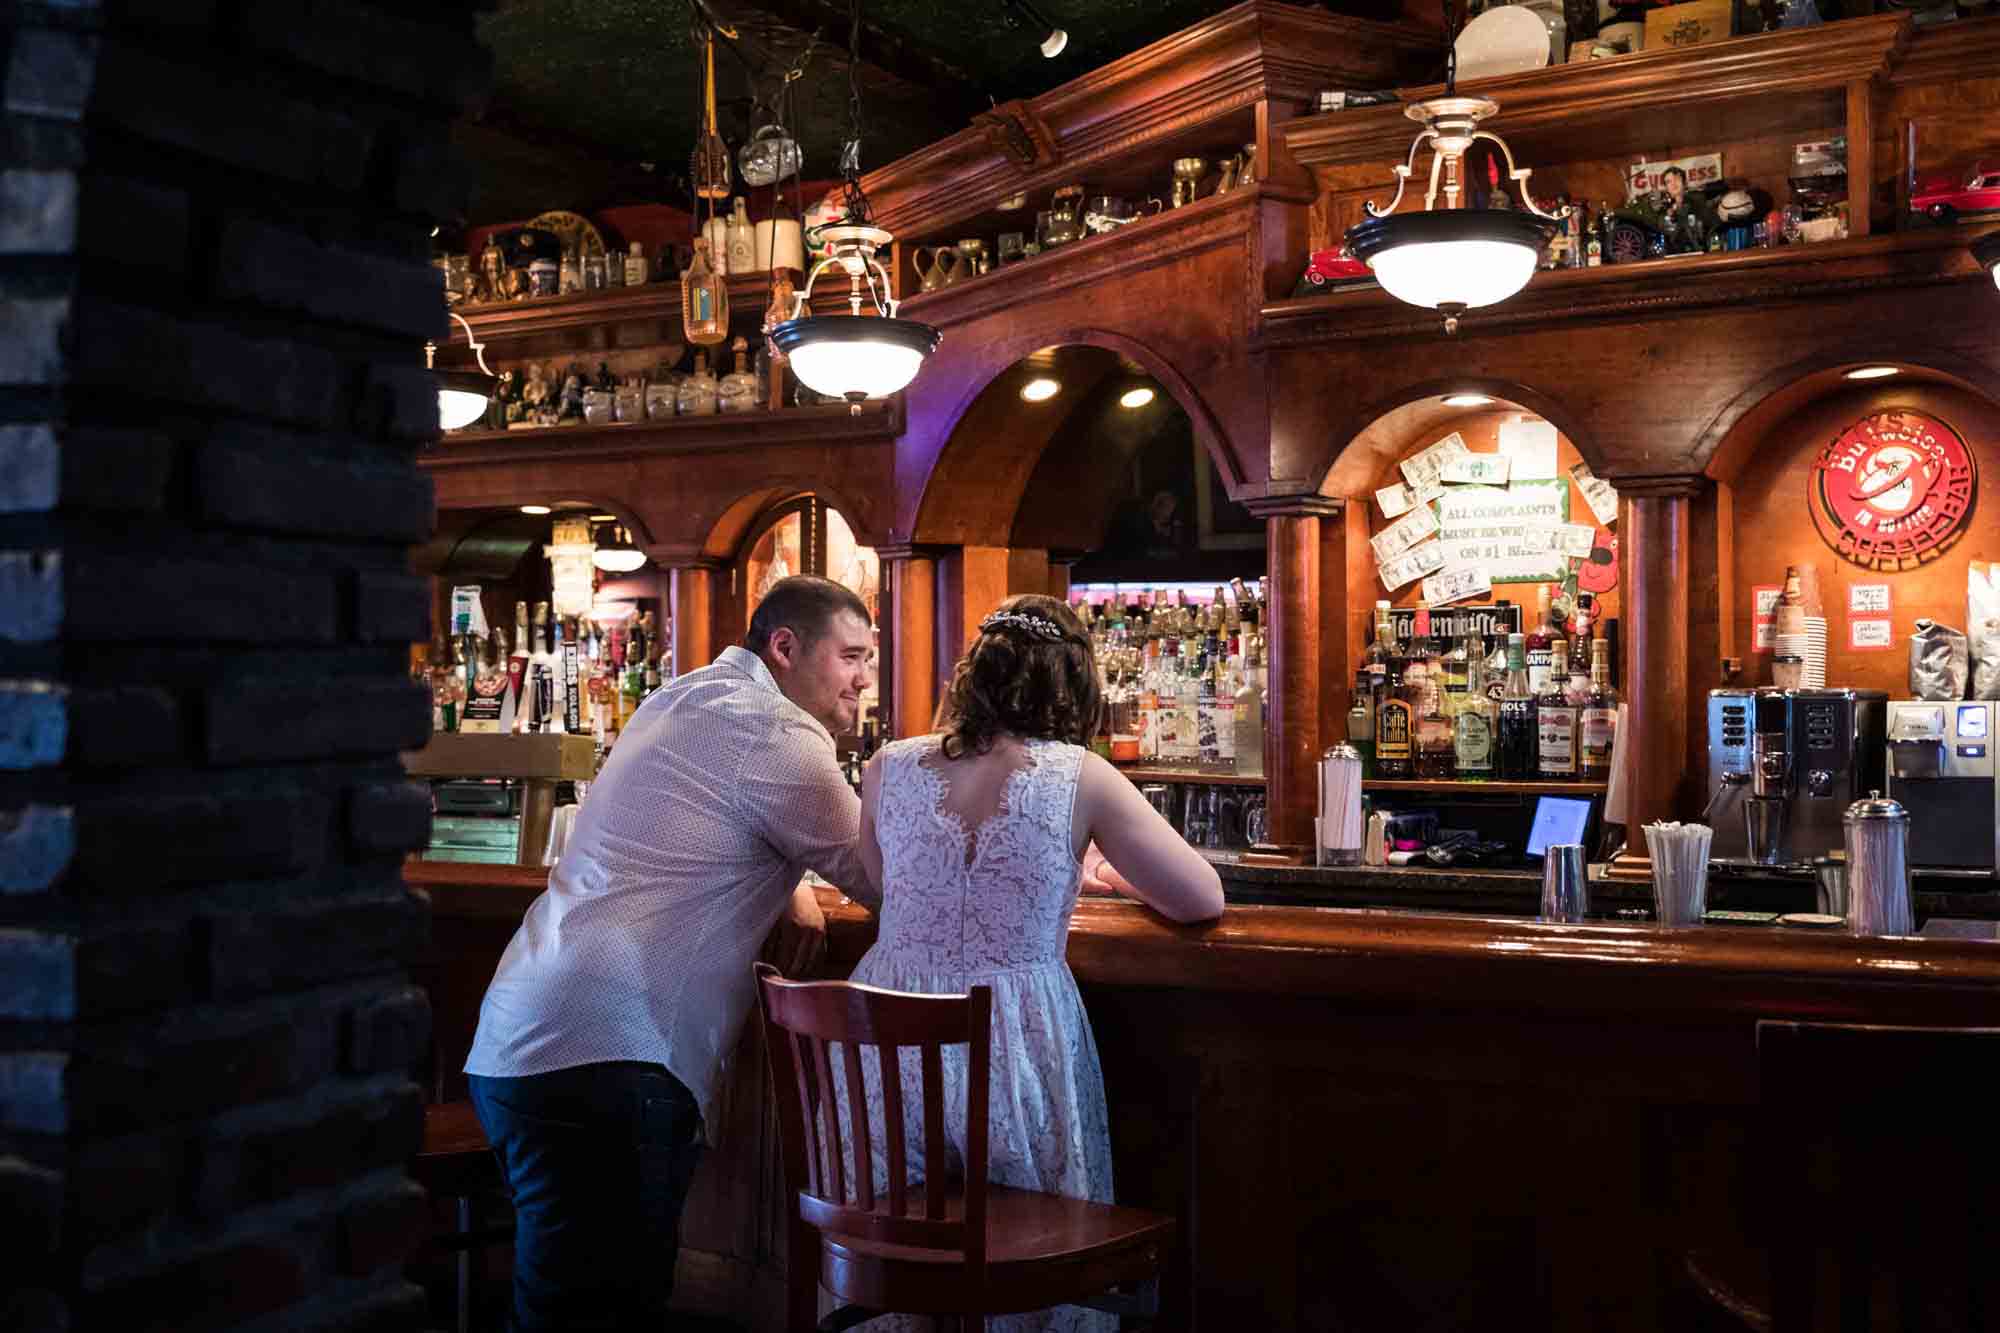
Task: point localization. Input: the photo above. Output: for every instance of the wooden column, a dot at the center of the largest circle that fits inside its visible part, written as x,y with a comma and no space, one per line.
694,591
910,577
1294,723
1655,547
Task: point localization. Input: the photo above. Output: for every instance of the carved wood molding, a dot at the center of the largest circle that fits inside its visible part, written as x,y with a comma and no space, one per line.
1968,47
1671,486
1295,506
1015,129
1225,64
1204,224
1907,261
1644,84
833,424
895,551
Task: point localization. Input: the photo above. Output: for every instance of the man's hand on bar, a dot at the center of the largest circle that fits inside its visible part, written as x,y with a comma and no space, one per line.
799,943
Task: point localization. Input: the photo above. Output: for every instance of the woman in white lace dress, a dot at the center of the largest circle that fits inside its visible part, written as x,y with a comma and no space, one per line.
979,835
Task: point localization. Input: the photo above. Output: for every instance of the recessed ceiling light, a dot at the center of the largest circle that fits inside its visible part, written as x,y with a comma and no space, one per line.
1873,373
536,509
604,518
1467,400
1138,397
1040,390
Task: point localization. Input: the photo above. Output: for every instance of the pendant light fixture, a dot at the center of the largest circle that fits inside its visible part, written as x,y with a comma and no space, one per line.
1455,258
463,395
618,555
854,356
1987,251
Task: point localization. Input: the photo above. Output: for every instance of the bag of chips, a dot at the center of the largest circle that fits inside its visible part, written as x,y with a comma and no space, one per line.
1938,662
1982,618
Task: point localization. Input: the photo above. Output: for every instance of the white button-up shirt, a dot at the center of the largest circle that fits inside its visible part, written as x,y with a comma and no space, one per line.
718,795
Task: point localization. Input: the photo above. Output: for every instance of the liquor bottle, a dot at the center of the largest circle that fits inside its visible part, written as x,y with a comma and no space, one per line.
1579,643
632,682
1208,743
1555,723
1226,683
1593,242
1425,679
699,395
447,686
1249,715
1539,640
655,646
1474,724
1361,718
738,390
636,273
741,239
1599,717
704,299
1149,702
1395,729
1383,644
1517,760
1188,688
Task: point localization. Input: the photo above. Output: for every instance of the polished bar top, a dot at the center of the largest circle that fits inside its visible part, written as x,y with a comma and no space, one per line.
1450,961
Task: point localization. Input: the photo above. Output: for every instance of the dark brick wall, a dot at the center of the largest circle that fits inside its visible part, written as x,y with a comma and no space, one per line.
214,291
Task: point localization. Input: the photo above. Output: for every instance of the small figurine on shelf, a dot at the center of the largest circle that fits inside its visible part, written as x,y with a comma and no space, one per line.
534,399
570,275
569,407
505,405
492,281
1684,217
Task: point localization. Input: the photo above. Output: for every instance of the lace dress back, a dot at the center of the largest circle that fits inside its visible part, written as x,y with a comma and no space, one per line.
990,905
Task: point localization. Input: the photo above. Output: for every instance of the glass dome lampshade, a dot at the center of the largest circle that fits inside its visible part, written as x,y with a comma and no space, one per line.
463,395
1455,258
854,356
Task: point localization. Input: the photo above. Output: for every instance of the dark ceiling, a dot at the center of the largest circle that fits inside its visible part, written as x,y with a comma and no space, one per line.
595,102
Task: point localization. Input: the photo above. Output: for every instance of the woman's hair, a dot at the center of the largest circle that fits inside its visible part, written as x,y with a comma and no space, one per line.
1030,673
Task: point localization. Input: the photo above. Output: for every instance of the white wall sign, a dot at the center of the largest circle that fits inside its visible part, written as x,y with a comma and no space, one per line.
1868,599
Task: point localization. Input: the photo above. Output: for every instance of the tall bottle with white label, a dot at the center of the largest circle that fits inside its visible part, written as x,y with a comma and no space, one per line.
1475,723
1600,716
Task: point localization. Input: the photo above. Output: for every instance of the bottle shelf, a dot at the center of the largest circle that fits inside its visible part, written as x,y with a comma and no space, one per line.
1461,787
1209,773
748,293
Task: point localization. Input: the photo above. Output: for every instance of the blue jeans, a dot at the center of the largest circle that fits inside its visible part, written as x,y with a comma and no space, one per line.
597,1159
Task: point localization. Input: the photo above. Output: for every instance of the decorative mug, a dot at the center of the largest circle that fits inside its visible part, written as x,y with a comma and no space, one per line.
1065,216
1187,179
1108,212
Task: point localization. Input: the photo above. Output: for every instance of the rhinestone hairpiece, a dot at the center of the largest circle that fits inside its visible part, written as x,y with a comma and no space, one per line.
1039,626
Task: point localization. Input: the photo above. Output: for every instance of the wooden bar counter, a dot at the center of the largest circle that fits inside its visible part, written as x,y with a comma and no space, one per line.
1375,1119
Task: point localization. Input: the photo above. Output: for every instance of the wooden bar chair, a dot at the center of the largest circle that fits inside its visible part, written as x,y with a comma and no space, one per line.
956,1250
456,1162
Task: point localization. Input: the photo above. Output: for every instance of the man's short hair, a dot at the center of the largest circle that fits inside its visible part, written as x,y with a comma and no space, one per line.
804,604
1675,171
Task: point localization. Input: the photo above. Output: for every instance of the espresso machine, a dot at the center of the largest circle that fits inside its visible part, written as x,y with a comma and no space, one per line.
1784,765
1941,769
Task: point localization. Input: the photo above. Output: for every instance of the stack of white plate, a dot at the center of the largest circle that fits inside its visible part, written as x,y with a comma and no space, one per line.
1814,677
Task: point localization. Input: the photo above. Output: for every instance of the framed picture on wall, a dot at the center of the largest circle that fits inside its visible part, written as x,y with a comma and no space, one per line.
1220,523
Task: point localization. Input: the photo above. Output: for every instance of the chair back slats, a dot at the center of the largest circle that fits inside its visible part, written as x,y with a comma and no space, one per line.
891,1064
935,1166
803,1018
830,1118
977,1071
806,1109
857,1101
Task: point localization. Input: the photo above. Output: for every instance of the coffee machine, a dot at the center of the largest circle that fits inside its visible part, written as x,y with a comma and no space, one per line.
1941,768
1783,765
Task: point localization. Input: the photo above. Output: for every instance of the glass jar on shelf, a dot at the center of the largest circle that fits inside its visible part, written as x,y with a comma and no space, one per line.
738,389
699,395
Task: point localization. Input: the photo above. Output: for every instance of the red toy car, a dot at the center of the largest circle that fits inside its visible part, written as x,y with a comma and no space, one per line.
1335,265
1942,198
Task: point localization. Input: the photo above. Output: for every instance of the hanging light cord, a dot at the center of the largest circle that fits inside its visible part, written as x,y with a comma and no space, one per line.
1450,50
850,153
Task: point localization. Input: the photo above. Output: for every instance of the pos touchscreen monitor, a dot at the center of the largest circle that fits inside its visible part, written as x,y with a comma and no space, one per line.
1559,819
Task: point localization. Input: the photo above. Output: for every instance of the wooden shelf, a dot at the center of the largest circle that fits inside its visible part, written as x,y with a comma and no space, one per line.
1654,286
1218,776
1658,98
1454,787
827,424
614,305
